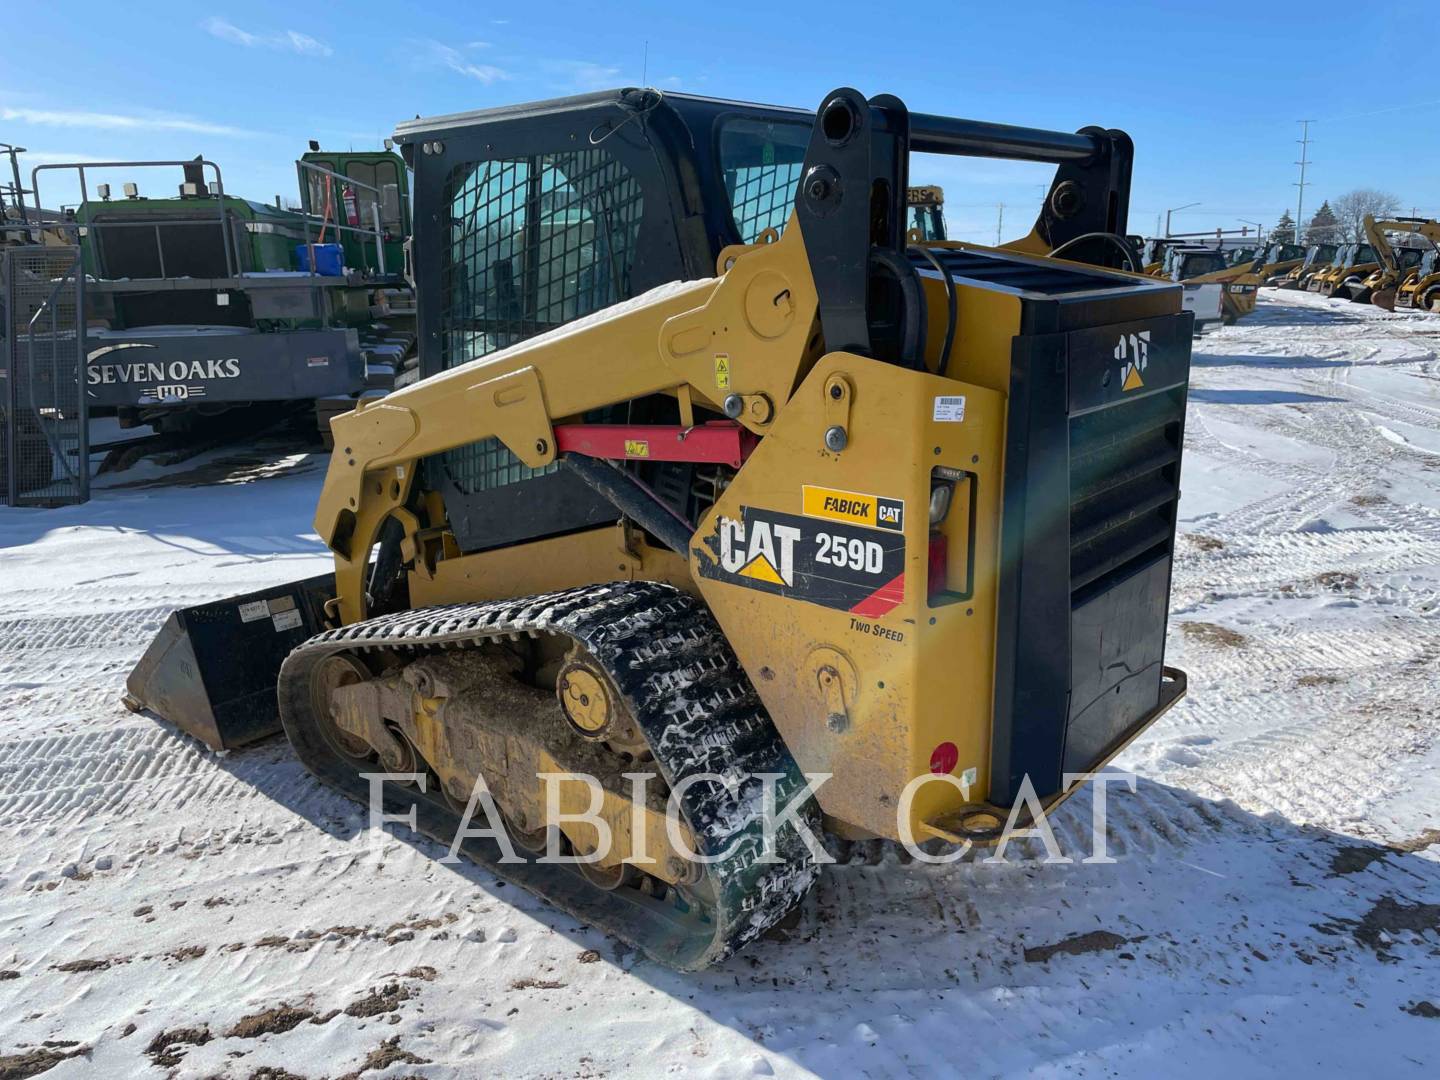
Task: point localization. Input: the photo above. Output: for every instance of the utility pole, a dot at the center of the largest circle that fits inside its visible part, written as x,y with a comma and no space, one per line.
1304,161
999,222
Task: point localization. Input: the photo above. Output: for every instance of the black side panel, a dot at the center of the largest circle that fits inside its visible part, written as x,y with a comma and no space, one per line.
1092,470
1032,639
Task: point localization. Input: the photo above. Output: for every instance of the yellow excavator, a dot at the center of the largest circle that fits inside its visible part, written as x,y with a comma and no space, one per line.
723,492
1318,258
1392,264
1383,289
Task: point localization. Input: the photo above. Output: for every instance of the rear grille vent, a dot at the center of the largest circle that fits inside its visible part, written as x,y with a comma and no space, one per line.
1124,488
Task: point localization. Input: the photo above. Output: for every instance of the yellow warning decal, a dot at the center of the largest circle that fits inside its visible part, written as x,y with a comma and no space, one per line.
722,371
852,507
1132,378
637,448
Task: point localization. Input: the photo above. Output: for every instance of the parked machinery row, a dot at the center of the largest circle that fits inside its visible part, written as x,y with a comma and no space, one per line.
1385,273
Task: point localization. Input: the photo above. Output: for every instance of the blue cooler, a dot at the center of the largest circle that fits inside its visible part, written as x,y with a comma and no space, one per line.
329,262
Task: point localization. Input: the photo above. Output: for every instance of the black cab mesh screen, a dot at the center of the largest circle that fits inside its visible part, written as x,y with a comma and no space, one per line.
761,162
534,242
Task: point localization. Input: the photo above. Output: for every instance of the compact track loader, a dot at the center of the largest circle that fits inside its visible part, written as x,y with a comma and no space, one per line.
1421,287
1349,267
1276,261
1317,259
715,476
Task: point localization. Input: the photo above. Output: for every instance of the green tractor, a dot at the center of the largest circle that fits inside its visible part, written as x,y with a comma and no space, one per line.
205,304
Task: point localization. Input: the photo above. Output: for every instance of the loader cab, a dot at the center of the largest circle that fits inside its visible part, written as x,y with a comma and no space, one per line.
1182,264
381,192
1279,253
536,215
1408,258
925,213
1354,255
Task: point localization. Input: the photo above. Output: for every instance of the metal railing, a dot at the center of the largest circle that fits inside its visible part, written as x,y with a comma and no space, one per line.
43,406
337,182
227,238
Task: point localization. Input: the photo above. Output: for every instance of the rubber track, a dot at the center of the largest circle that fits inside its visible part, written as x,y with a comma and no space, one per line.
691,699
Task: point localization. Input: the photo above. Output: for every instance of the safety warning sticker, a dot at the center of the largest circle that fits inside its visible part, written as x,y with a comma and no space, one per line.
855,569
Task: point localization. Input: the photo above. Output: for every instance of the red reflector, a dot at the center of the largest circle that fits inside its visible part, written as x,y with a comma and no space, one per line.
939,565
944,758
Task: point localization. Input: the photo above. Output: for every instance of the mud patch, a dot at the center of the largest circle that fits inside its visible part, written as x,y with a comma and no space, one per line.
1429,1010
1317,679
34,1062
276,1021
384,1000
93,963
589,956
1378,927
8,974
1094,941
1213,634
528,983
424,973
167,1048
1337,580
383,1056
1205,543
186,952
1356,858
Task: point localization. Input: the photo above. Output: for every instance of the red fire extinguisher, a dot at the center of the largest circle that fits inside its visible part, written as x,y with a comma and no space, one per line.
352,207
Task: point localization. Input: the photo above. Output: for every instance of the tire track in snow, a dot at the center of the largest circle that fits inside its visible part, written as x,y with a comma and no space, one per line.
138,769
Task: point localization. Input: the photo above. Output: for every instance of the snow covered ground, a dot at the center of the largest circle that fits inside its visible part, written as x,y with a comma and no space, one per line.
1274,906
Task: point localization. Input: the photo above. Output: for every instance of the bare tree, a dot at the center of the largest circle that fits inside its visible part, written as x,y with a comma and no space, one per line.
1350,210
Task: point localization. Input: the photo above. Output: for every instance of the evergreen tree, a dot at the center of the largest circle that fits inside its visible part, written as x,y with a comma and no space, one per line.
1284,231
1323,227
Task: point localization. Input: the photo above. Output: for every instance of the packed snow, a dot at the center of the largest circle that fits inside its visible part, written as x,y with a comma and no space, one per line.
1274,904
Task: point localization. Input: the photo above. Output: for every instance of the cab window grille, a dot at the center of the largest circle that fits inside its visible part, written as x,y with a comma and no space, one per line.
534,242
761,163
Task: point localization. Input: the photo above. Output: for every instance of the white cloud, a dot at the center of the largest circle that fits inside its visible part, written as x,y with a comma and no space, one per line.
292,40
74,118
583,74
456,62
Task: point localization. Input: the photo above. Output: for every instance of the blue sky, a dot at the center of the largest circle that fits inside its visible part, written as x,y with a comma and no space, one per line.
1209,94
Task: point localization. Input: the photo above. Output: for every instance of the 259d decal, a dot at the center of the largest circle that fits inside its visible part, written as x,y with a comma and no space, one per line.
837,566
